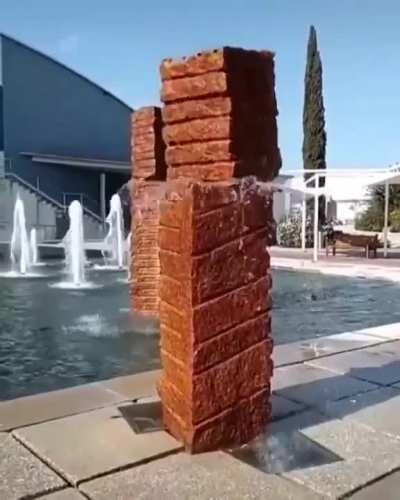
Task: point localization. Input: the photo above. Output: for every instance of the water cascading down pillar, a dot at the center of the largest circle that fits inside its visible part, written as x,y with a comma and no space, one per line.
148,187
215,225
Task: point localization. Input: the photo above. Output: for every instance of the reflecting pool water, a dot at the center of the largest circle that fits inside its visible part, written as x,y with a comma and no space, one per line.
52,338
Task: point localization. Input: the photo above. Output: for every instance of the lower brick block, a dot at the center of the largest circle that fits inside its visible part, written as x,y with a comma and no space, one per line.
145,260
215,326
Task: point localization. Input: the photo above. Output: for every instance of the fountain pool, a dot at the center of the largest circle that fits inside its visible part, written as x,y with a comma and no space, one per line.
51,338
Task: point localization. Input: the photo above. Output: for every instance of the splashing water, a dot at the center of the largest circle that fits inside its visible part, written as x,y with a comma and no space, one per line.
114,241
74,246
114,237
33,247
19,248
128,246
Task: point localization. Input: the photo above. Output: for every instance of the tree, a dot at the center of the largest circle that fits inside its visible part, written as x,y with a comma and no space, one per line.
314,135
372,219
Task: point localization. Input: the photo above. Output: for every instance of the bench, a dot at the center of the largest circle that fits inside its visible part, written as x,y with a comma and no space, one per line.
345,241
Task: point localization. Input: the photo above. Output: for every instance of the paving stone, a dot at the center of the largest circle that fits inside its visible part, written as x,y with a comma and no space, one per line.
366,454
66,494
378,409
337,479
372,364
303,350
30,410
352,440
134,386
391,331
21,473
387,488
314,386
89,444
391,348
184,477
283,407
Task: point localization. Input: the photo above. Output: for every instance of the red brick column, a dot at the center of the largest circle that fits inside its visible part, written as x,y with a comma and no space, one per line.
147,144
220,115
145,261
149,173
214,312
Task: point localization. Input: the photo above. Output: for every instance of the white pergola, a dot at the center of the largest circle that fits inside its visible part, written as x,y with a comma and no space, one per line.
310,189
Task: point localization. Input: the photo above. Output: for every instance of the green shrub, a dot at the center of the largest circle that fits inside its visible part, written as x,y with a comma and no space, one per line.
370,220
373,220
394,220
289,231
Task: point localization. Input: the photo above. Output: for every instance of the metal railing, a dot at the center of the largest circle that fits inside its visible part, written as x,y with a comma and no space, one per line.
36,190
85,201
9,174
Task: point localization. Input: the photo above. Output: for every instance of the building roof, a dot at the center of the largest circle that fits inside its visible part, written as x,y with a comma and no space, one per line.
85,163
55,61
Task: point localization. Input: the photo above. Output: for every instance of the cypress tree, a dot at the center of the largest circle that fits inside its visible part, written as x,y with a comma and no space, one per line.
314,136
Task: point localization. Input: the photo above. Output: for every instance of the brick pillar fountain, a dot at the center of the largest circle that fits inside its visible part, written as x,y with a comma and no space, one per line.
215,225
148,173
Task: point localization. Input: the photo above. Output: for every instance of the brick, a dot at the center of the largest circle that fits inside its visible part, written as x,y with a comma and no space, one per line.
145,164
153,145
229,310
234,265
211,393
223,59
206,197
228,344
247,135
240,109
194,109
173,399
198,130
146,113
174,319
237,425
200,152
175,265
143,130
203,172
192,87
177,345
174,292
238,84
213,229
170,239
263,168
171,214
147,138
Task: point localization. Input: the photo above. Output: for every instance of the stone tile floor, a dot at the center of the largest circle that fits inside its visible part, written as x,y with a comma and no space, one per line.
342,395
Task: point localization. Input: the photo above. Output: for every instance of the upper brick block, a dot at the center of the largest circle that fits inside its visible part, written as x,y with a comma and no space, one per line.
148,148
228,71
225,59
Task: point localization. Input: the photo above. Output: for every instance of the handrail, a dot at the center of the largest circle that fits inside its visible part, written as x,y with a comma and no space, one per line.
35,189
81,196
48,198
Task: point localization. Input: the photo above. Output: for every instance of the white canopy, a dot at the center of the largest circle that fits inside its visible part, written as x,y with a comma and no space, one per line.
339,184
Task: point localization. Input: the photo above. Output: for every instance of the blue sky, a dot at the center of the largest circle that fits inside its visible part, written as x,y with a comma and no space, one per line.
119,44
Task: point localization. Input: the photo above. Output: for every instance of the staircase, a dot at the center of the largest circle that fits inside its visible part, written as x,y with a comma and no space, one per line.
41,209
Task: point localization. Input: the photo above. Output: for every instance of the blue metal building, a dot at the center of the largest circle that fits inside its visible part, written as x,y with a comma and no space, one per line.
62,137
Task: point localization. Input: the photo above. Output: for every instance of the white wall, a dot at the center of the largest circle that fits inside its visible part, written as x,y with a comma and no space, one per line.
347,210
